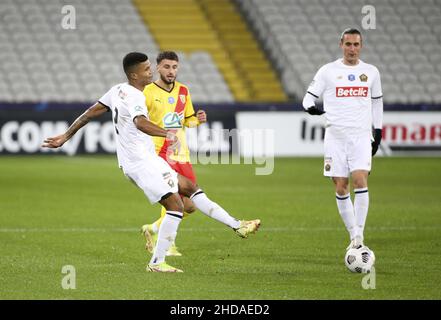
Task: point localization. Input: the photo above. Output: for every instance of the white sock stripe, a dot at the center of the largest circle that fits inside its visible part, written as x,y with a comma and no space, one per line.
198,191
176,214
344,197
361,190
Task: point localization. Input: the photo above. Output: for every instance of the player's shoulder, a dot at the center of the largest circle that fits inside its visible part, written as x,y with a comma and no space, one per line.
150,87
115,87
328,67
180,85
128,92
369,66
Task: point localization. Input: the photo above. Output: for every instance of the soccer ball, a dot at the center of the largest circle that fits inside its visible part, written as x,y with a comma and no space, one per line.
360,260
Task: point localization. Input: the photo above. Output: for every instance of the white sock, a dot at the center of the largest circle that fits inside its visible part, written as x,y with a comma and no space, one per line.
346,210
166,235
213,210
361,206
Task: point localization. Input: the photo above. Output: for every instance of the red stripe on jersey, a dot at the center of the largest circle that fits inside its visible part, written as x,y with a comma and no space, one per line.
182,99
179,108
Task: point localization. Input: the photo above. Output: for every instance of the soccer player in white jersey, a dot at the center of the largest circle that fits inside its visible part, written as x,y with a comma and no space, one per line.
140,163
352,102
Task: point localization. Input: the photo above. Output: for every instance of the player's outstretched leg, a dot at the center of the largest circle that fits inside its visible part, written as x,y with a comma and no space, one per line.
167,233
213,210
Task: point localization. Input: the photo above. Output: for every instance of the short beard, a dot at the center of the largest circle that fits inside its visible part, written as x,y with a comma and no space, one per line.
166,80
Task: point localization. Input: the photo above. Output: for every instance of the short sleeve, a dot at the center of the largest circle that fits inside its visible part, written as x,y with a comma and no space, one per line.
136,105
189,109
106,99
190,119
376,91
318,84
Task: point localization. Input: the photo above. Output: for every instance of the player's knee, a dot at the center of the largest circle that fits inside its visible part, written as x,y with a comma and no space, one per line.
186,186
341,189
189,208
179,206
173,203
359,182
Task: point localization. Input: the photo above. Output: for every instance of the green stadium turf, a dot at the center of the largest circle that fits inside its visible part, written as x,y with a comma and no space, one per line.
81,211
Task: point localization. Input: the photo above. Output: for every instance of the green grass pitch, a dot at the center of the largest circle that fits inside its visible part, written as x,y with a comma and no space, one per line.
81,211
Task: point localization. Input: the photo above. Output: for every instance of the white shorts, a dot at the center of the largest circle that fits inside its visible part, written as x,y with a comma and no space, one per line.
346,153
155,177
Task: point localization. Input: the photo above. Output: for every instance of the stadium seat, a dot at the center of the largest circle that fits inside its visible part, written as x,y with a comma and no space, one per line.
298,36
407,40
87,59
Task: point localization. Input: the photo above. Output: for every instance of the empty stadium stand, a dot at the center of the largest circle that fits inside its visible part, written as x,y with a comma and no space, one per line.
41,61
221,60
256,71
184,25
301,35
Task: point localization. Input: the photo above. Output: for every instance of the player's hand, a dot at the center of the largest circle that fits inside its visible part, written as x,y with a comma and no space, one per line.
376,142
174,144
54,142
202,116
314,111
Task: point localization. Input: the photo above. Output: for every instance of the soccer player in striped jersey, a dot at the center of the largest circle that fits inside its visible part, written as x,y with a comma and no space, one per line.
353,105
170,106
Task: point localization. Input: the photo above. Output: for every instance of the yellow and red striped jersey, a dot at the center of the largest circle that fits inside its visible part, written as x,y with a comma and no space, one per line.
171,110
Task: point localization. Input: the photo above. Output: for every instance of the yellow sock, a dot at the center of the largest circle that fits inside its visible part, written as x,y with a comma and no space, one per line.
158,222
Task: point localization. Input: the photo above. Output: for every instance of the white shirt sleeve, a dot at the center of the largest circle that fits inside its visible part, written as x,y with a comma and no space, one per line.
377,102
308,101
377,113
318,84
136,105
376,91
106,100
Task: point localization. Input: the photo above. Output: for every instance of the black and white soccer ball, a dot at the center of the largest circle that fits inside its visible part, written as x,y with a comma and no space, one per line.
360,260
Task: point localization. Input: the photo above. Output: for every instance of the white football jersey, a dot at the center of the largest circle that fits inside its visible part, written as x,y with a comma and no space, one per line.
347,92
132,145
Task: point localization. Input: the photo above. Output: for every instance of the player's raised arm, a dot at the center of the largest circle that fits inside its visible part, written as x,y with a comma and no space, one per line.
94,111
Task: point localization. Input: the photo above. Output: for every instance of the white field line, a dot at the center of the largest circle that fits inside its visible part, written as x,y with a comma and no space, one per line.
264,229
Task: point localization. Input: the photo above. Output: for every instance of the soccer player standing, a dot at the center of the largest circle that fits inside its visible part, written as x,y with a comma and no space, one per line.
170,107
139,162
352,101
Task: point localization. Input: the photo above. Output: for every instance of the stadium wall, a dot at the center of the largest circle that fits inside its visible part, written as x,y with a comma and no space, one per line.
234,128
